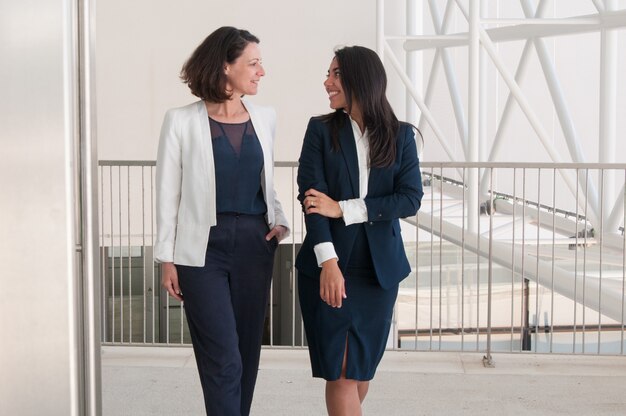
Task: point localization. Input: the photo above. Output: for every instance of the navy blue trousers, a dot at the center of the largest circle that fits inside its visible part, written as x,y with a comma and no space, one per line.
225,303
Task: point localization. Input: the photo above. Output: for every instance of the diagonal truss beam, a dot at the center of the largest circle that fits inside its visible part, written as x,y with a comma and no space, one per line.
543,272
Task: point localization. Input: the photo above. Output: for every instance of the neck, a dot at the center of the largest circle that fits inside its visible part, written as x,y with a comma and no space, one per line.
355,113
230,109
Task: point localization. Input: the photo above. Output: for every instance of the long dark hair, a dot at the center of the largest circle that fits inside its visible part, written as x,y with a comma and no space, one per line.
204,70
364,81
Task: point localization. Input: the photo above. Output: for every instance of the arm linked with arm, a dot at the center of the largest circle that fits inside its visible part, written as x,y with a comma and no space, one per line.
311,176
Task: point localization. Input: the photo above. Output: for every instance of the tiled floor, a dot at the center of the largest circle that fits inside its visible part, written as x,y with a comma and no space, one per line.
141,381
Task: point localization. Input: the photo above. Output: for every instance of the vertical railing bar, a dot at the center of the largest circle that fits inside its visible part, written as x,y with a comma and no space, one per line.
130,266
271,311
167,319
513,259
440,254
103,297
143,249
621,348
601,173
524,311
293,262
490,270
584,324
155,286
478,268
112,254
553,261
394,327
182,322
537,262
302,229
575,327
432,243
119,212
463,263
417,276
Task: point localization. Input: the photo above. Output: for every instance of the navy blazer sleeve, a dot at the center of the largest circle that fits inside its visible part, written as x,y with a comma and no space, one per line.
311,175
406,197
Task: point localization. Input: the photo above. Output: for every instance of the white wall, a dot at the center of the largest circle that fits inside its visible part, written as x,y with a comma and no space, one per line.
141,46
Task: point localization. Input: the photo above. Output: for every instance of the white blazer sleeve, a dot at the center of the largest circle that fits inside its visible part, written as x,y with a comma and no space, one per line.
168,188
279,215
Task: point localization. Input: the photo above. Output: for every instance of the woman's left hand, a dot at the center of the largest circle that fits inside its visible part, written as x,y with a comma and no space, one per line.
316,202
279,231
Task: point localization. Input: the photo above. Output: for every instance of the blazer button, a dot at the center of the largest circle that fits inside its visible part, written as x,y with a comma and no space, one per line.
371,223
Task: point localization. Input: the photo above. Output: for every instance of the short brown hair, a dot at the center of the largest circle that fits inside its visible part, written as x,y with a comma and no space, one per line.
204,70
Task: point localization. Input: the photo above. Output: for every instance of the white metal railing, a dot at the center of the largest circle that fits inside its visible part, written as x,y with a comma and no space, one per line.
531,272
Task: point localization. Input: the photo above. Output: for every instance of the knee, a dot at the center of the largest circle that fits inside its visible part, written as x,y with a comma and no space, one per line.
227,367
344,383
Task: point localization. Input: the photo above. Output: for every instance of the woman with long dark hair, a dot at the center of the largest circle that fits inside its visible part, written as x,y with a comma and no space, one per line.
358,174
218,219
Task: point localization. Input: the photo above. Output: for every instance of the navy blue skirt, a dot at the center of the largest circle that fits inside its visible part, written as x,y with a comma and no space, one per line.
363,320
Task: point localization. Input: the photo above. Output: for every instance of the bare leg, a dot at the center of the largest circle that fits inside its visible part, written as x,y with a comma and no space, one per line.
362,387
343,396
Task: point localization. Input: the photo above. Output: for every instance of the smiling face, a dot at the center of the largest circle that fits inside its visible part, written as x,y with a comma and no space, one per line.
334,88
243,75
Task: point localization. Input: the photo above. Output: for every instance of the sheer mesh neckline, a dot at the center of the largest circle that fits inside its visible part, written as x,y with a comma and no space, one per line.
233,132
228,124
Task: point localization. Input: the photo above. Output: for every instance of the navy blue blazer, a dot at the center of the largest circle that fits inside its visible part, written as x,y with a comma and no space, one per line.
393,192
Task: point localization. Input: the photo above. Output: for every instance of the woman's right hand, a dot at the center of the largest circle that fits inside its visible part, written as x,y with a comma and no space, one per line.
332,284
169,280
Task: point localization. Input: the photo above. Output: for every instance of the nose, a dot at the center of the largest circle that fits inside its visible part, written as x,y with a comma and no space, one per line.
327,82
261,71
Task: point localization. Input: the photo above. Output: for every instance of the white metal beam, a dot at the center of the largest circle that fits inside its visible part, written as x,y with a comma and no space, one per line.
473,110
543,272
608,114
537,28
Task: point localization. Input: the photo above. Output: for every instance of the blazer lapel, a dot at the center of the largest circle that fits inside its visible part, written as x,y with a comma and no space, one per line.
206,147
348,149
261,133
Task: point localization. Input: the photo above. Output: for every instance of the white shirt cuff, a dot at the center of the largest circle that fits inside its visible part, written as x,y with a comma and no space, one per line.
324,251
354,211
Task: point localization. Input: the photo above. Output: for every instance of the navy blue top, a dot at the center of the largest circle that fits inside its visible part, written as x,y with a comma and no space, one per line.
238,158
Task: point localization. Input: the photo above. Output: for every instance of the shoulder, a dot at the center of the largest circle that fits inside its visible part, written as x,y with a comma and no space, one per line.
318,121
324,121
265,112
186,112
318,126
406,129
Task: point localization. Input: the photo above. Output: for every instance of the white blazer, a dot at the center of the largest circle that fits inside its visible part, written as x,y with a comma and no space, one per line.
185,181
